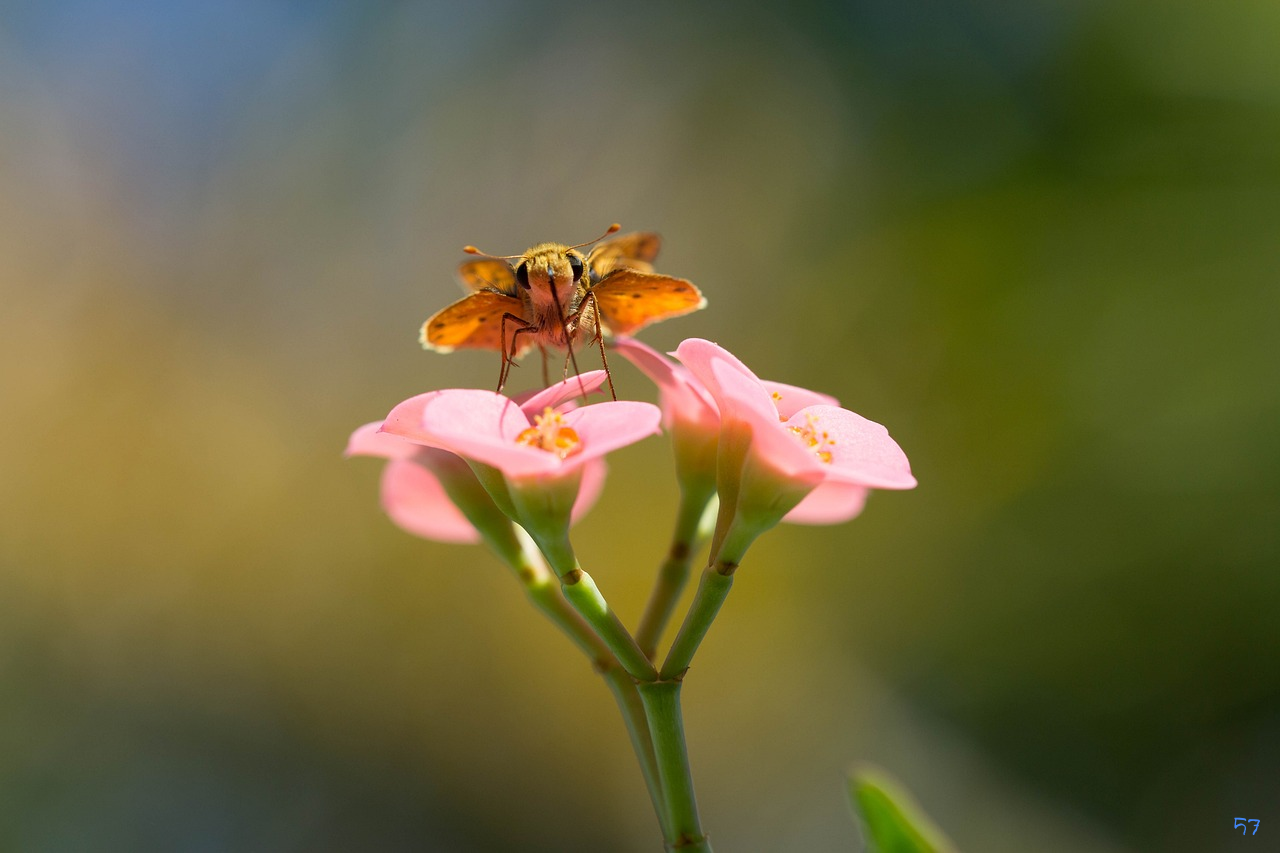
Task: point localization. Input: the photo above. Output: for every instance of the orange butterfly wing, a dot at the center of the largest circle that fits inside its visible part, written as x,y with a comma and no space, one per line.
473,322
488,274
629,300
631,251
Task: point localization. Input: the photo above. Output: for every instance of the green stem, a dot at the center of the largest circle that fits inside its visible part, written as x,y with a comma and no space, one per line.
714,587
733,537
666,728
541,588
674,572
580,590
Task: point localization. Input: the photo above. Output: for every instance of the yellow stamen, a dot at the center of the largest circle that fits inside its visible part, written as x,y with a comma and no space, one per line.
815,439
550,434
777,398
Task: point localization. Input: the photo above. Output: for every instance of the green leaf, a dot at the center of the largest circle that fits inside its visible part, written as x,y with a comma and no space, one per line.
892,820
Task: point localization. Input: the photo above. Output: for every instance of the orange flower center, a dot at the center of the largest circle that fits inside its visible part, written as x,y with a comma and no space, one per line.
816,440
550,434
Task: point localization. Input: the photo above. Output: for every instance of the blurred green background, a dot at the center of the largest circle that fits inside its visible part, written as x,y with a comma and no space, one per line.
1039,241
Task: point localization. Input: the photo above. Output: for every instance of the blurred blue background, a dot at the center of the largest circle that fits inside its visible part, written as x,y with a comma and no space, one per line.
1037,241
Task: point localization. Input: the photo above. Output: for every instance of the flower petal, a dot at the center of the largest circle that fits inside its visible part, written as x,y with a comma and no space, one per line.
770,440
789,399
553,396
417,503
405,420
830,503
683,398
482,426
861,451
745,396
605,427
593,475
369,440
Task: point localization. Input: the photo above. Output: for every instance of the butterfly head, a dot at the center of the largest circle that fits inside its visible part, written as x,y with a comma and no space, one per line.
550,274
550,268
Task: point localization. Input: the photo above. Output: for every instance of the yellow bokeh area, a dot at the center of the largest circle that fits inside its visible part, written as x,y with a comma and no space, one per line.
1038,243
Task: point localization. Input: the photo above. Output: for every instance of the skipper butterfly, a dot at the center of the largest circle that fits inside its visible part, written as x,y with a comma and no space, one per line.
554,296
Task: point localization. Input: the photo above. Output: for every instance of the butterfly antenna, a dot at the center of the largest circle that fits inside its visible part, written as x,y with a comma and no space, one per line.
612,229
472,250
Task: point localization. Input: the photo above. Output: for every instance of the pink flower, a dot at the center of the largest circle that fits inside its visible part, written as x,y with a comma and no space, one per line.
539,439
691,413
788,451
830,502
533,458
413,490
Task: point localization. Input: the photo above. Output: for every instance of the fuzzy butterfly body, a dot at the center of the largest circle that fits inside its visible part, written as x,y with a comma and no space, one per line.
555,296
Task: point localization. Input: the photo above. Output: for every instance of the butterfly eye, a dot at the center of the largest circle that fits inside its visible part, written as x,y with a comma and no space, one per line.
575,264
522,275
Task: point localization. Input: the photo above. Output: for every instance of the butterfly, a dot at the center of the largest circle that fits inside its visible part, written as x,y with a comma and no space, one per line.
555,296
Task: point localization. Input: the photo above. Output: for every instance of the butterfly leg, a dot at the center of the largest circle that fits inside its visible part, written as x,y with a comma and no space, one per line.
599,339
509,358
